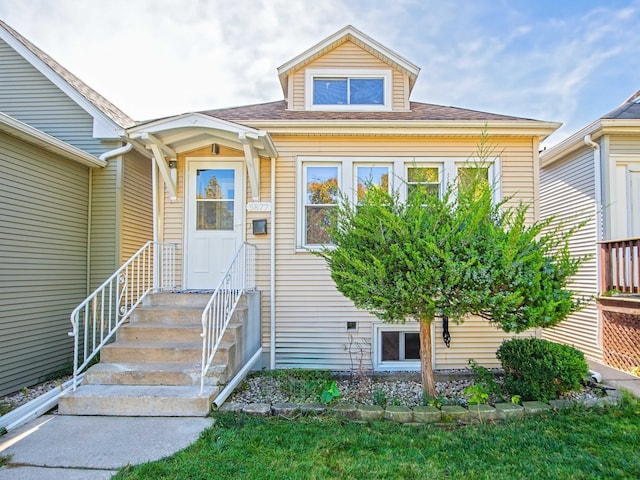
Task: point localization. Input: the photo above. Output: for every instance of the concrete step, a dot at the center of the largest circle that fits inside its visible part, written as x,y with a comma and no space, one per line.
178,299
144,401
167,314
152,352
177,314
161,352
154,374
233,332
143,374
160,331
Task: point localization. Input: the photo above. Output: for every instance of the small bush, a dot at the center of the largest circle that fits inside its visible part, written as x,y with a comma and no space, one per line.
537,369
484,385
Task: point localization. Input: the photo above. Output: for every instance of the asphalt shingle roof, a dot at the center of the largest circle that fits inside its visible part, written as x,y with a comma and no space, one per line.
629,110
418,112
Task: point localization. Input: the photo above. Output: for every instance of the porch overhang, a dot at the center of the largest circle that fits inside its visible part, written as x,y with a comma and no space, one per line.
167,138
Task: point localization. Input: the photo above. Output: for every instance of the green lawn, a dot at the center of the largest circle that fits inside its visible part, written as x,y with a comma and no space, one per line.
577,443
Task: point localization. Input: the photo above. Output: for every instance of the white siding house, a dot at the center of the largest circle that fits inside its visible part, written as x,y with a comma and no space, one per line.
594,177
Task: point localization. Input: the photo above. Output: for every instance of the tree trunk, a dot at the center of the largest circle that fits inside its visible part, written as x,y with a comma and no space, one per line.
428,382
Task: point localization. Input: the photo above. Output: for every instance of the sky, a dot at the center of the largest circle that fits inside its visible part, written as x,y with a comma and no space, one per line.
569,61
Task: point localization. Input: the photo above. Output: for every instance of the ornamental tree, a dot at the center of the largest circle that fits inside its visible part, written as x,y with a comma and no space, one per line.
448,256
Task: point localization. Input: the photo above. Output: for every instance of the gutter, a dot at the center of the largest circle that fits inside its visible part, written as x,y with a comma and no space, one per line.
406,127
32,135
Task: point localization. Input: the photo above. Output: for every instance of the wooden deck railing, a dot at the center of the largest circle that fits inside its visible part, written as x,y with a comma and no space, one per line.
620,266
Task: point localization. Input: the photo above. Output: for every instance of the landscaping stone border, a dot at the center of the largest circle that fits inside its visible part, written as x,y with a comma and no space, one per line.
407,415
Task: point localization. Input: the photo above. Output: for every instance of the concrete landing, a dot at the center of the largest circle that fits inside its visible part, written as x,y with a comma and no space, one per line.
88,448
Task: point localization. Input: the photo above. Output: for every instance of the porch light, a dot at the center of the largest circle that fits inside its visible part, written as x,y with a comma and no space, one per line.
173,166
215,148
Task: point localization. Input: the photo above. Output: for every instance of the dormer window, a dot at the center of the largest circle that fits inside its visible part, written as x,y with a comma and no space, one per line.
334,89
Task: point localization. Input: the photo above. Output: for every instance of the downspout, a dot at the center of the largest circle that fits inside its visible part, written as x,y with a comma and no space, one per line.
118,151
598,184
89,226
598,213
272,292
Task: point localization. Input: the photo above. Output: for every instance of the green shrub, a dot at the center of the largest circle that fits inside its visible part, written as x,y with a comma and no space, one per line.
537,369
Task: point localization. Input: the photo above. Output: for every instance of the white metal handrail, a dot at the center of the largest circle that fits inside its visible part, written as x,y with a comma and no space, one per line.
238,279
97,318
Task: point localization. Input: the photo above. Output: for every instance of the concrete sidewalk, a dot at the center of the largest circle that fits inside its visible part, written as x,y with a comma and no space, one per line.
60,447
616,378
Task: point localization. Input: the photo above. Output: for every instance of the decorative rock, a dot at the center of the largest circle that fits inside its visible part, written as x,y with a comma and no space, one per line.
316,408
399,414
506,410
426,414
347,410
483,412
285,409
232,407
452,413
257,409
535,407
560,404
370,413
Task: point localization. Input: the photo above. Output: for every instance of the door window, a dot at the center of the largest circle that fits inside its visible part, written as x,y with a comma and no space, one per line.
215,199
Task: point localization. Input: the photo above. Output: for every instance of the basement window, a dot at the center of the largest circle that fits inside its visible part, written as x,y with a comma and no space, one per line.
396,348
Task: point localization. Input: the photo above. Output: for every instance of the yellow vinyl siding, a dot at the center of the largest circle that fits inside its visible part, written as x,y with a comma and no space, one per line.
568,192
625,145
311,313
263,246
349,56
474,339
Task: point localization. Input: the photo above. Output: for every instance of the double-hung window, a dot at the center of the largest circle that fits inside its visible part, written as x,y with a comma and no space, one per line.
321,192
335,89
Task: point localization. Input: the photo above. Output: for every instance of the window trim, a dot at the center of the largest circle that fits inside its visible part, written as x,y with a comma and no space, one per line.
396,365
386,75
398,166
302,216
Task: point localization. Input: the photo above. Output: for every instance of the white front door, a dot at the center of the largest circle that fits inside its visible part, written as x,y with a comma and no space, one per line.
214,210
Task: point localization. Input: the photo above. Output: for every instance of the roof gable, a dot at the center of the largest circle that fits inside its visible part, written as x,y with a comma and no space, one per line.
348,34
108,119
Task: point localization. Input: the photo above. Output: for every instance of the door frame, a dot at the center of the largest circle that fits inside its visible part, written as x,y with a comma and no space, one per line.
189,161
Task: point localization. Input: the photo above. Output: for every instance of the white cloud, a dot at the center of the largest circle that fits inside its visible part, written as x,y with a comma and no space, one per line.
162,57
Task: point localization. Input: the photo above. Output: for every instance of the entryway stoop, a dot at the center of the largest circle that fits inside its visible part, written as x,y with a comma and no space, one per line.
153,366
